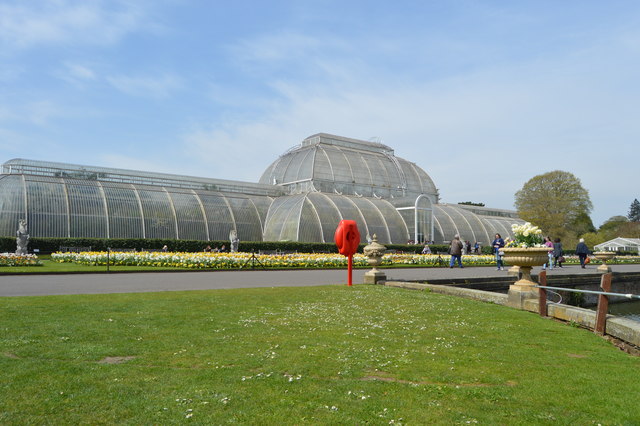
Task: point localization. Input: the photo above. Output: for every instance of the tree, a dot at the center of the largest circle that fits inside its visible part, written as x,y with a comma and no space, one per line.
556,202
634,211
613,223
582,224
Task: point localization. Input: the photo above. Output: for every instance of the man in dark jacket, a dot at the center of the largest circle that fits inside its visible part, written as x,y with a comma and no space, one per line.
455,249
582,251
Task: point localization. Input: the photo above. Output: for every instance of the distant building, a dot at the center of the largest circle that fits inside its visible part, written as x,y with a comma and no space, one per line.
620,244
300,197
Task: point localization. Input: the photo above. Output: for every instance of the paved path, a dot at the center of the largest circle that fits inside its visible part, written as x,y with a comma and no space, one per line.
37,285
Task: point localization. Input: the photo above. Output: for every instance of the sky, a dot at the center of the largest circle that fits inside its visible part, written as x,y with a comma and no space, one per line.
483,95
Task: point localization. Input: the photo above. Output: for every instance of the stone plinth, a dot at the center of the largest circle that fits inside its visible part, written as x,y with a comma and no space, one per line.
374,277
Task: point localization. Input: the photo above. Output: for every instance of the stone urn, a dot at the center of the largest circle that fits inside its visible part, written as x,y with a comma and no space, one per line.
604,257
525,259
374,252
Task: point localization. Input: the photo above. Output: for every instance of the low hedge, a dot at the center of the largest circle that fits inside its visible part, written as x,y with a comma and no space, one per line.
50,245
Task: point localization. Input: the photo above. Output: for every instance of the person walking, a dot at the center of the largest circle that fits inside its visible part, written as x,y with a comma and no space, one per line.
455,250
498,245
548,243
558,253
582,251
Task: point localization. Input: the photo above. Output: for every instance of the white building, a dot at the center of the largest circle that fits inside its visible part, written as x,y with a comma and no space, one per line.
620,244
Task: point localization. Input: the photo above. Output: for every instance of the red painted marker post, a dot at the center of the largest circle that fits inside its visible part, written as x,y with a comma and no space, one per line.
347,238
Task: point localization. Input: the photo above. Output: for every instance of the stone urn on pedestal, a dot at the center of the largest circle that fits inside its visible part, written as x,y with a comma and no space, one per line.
374,251
525,258
604,257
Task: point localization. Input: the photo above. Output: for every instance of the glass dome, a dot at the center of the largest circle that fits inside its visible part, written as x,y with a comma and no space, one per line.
334,164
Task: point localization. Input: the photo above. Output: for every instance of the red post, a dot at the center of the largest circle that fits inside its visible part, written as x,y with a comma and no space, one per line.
603,304
347,238
542,293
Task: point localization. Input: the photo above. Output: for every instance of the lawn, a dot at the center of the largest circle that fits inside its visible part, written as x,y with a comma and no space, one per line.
308,355
50,267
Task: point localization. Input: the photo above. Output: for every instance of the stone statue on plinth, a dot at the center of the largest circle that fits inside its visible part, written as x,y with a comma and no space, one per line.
22,241
235,241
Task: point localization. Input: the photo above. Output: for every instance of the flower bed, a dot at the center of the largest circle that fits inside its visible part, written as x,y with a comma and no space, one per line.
238,260
12,259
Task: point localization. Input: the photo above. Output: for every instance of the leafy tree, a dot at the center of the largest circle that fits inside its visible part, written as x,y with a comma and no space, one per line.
615,226
555,201
634,211
592,238
583,224
612,224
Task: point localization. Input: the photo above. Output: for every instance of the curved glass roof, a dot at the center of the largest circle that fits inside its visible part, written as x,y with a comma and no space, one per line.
77,208
314,217
302,196
452,219
334,164
106,174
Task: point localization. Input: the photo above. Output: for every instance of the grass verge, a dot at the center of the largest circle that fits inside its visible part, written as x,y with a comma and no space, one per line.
51,267
339,355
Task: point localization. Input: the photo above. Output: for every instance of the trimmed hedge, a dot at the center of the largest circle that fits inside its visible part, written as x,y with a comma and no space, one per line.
50,245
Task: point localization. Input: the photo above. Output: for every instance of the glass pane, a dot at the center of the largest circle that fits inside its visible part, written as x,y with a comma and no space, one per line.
283,219
247,221
328,213
398,231
349,211
12,207
125,217
339,164
375,222
447,227
219,219
310,229
191,224
47,208
87,216
262,205
159,221
322,168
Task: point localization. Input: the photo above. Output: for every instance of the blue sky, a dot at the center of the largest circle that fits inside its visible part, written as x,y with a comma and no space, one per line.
483,95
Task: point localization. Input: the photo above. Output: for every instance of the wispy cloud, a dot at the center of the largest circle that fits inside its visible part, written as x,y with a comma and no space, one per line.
549,109
45,22
147,86
77,74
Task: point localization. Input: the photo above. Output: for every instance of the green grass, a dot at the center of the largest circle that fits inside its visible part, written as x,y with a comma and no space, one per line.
51,267
334,354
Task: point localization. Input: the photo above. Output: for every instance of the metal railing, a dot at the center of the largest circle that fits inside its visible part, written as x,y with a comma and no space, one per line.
575,290
603,298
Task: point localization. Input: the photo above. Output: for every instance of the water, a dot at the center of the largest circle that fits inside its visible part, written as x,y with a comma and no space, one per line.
630,310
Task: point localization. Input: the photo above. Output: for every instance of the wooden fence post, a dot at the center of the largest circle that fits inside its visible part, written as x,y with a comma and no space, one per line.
603,304
542,293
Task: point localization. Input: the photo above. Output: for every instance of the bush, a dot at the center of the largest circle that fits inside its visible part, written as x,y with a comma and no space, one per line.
50,245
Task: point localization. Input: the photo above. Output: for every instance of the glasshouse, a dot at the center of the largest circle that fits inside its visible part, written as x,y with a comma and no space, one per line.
301,196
